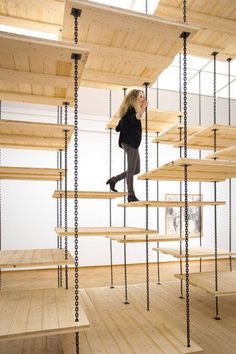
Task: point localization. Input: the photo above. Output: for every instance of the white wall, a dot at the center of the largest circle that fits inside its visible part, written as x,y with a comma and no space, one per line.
29,211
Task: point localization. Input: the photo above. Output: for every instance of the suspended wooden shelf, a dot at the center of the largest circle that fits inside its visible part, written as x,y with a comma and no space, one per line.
225,154
43,16
206,281
34,258
194,252
30,135
104,231
168,204
120,59
217,25
89,194
28,173
39,313
198,170
37,70
204,139
151,238
172,134
157,120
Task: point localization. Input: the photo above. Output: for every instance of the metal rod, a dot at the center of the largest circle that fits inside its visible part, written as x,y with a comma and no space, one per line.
110,204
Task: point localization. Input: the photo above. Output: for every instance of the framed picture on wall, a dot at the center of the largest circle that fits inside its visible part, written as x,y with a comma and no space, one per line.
172,216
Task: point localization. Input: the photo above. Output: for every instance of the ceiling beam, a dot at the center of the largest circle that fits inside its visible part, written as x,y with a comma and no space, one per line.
205,21
53,5
206,51
19,76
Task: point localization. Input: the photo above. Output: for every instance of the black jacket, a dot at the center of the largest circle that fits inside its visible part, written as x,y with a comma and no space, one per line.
130,129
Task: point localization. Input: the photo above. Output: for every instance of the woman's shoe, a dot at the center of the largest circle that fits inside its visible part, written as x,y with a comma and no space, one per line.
112,185
132,198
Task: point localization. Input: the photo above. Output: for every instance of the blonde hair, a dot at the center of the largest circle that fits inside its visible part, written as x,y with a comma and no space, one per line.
131,100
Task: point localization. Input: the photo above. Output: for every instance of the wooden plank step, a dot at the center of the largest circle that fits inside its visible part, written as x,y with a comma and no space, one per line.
89,194
31,174
167,204
34,258
194,252
151,238
33,313
198,170
31,135
206,281
104,231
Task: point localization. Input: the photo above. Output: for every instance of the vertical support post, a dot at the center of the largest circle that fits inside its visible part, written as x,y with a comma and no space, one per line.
76,57
146,182
110,209
217,317
65,201
124,215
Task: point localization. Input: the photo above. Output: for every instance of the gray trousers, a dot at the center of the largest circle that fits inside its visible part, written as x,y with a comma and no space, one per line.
133,167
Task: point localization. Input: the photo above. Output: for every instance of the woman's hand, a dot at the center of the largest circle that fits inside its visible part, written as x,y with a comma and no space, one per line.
144,105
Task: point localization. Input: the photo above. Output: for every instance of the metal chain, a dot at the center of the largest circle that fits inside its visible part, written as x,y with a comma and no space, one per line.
0,201
158,221
58,219
215,188
185,10
185,35
66,204
76,57
146,7
110,206
200,156
230,181
180,218
125,246
180,183
60,214
146,181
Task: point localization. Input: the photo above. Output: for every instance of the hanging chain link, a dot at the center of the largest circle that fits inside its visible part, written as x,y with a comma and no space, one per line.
76,57
200,156
215,187
230,181
110,204
0,202
158,218
184,36
66,204
124,214
147,197
180,214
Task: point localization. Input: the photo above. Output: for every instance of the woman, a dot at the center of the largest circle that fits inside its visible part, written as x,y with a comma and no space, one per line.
130,128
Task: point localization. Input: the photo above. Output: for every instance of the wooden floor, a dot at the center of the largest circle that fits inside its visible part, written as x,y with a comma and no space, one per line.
135,334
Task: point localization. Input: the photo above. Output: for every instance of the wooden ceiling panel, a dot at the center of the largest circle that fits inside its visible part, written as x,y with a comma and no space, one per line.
136,39
43,15
38,70
217,20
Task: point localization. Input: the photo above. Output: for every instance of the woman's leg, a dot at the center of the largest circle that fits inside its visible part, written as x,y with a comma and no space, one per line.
133,166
